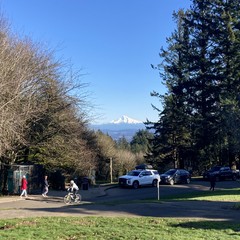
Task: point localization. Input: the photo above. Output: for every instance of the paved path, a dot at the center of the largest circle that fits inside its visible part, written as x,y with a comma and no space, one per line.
37,206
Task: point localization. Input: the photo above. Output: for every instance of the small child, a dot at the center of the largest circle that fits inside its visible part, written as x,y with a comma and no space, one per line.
73,188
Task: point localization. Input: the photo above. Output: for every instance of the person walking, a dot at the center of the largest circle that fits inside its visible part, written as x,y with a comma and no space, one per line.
24,186
45,186
212,183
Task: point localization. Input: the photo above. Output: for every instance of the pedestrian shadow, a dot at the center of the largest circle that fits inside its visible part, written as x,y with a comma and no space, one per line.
45,199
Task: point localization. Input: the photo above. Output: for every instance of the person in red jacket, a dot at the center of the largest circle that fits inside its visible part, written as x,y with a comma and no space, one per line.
24,186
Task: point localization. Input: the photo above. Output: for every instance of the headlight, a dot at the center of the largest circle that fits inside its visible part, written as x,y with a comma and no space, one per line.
129,181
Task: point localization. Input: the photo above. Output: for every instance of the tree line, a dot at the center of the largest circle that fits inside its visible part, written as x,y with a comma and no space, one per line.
43,119
45,115
124,155
199,123
45,110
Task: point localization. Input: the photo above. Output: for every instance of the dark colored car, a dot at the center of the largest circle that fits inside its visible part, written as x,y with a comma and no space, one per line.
175,175
221,173
213,171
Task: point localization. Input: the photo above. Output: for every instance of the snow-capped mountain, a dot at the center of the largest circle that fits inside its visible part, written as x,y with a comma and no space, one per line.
123,127
125,119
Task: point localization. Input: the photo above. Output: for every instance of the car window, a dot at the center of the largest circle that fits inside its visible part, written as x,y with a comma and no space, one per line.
225,168
217,168
133,173
146,173
170,172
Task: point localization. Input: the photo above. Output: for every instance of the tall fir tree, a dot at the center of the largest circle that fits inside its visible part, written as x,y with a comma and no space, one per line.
171,132
201,72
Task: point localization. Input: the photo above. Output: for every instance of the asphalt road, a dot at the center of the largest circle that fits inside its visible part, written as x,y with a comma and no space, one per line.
54,206
129,194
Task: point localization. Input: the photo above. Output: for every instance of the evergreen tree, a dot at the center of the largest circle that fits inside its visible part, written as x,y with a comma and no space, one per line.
140,141
172,131
123,144
201,72
228,59
203,88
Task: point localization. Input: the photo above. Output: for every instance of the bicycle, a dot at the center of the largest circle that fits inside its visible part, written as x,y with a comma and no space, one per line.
69,198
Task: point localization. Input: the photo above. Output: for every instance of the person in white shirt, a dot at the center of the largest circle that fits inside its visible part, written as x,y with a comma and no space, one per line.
73,188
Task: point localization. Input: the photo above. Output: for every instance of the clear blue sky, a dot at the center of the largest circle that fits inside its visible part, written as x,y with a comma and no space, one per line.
113,41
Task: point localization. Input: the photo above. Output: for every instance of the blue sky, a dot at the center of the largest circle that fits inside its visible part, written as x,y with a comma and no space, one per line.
114,42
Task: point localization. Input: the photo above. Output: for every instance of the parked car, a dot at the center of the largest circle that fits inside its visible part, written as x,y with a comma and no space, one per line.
136,178
176,175
212,171
221,173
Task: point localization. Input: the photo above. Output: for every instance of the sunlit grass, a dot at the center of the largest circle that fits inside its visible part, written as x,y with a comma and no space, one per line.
116,228
226,195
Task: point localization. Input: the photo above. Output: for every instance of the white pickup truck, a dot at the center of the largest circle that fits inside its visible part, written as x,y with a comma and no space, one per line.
136,178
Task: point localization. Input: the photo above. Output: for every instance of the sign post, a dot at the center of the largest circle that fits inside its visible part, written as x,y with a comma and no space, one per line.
111,170
158,190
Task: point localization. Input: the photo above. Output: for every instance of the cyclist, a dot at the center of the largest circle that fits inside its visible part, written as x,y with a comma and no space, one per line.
73,188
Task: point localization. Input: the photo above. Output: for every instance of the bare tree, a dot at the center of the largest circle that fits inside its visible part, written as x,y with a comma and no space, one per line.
43,117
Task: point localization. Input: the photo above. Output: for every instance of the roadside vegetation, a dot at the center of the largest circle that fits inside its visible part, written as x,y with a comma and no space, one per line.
88,228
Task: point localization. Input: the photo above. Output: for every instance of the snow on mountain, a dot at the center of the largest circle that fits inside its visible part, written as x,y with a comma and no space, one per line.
125,119
124,126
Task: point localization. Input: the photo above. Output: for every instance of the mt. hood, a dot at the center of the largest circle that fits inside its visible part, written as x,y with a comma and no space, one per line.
126,119
123,127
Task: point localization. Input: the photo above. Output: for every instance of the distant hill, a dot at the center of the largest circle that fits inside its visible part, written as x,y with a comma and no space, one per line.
124,126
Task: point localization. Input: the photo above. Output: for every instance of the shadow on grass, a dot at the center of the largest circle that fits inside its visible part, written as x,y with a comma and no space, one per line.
212,225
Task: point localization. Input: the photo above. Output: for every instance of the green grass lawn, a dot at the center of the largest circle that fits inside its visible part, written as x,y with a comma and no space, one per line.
116,228
70,228
226,195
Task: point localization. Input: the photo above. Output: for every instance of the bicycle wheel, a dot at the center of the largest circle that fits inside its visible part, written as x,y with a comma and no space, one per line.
78,198
67,199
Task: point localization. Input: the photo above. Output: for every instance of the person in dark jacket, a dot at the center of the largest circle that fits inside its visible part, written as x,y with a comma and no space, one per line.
45,186
212,183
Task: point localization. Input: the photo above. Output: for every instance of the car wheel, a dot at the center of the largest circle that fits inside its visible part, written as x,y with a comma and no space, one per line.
171,182
188,180
234,178
135,184
155,183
